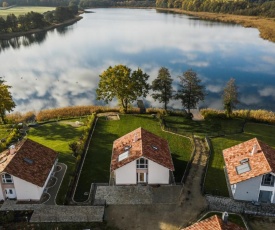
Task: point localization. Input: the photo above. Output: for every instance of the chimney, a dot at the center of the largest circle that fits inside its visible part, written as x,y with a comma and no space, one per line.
135,137
254,150
12,149
225,217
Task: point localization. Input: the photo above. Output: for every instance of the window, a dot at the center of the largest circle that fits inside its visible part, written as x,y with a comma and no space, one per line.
243,168
123,156
6,178
142,163
268,180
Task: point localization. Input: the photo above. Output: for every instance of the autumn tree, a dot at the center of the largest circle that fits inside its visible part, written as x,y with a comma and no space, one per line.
121,83
190,90
6,101
230,97
163,86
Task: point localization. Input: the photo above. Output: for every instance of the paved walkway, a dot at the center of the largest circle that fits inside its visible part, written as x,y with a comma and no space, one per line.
138,194
55,188
55,213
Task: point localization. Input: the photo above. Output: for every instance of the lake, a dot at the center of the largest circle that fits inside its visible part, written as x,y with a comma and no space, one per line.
61,67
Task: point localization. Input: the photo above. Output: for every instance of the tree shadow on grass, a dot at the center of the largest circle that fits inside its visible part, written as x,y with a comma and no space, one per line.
180,166
56,131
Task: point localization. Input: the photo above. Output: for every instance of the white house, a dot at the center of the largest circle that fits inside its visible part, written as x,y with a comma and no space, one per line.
141,157
25,169
250,171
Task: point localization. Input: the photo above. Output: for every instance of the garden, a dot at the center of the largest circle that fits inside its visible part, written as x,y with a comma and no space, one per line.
57,136
96,167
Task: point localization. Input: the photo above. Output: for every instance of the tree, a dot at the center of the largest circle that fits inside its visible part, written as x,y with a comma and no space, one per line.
120,82
74,147
230,97
6,102
190,91
163,85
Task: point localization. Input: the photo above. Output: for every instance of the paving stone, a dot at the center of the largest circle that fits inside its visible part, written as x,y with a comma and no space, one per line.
138,194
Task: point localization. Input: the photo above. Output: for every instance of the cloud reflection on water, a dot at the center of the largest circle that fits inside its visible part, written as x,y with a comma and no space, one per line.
63,68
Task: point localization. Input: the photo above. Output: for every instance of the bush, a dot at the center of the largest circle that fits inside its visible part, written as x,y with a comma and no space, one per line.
213,113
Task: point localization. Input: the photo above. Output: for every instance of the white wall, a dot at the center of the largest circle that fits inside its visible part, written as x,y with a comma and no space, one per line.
248,189
1,192
126,174
26,190
157,174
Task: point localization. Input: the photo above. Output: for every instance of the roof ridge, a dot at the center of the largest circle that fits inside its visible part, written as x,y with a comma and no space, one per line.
260,144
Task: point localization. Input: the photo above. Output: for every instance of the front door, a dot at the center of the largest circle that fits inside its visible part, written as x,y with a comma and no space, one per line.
142,177
10,193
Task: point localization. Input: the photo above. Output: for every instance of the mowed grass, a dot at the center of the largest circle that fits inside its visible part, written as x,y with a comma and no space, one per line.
215,178
21,10
4,132
96,168
57,136
213,127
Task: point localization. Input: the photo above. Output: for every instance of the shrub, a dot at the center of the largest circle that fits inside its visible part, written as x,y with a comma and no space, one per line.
213,113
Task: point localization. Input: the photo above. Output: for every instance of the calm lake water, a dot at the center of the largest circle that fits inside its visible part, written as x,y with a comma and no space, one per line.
61,67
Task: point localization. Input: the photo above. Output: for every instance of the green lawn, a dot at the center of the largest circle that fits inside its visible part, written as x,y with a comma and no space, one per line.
4,132
97,163
215,179
213,127
21,10
56,136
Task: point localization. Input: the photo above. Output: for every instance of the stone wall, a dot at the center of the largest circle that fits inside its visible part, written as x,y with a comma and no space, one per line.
243,207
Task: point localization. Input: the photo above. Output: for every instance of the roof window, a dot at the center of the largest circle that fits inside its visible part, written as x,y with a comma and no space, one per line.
127,147
28,160
123,156
245,167
154,147
244,161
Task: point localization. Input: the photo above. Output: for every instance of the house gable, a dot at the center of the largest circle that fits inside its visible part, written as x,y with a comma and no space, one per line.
213,223
247,160
30,161
141,143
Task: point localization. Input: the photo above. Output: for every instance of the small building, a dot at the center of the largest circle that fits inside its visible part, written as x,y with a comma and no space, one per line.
250,171
214,223
141,157
25,169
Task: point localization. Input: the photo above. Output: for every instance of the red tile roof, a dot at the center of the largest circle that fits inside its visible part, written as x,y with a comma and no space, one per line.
143,144
261,162
32,162
213,223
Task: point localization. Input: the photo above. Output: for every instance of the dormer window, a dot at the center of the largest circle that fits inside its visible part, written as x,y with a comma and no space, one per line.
142,163
268,180
6,178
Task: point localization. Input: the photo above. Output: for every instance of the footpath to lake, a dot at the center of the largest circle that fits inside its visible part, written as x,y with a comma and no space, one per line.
266,26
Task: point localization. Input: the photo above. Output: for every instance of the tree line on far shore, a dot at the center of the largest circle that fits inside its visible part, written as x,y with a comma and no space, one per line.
33,20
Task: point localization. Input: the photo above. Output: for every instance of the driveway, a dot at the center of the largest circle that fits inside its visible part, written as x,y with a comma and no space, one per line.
53,189
186,206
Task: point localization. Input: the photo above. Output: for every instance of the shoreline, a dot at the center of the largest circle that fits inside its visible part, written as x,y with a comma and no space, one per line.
8,36
265,26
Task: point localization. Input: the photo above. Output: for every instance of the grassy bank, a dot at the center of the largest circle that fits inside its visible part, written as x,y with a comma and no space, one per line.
21,10
215,179
266,26
97,163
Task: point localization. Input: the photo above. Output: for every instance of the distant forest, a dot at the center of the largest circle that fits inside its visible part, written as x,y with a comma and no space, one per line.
264,8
